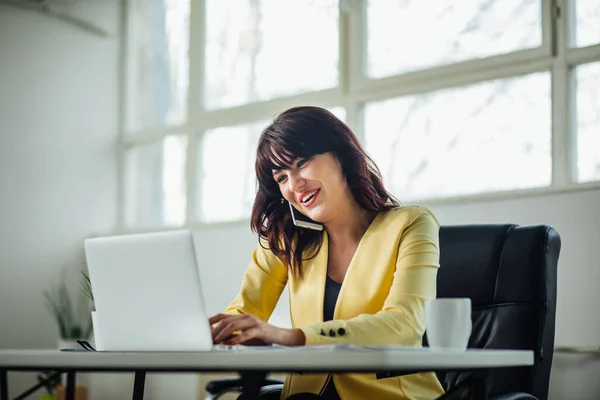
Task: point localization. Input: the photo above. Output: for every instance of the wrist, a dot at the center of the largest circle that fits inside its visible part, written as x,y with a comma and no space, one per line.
295,337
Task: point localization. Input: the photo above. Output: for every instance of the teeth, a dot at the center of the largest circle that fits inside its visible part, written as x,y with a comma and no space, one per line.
308,196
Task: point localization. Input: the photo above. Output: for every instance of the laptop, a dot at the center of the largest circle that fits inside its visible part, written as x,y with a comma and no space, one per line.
147,292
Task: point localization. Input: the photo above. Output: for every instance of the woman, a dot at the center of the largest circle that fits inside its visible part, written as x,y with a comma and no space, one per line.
363,279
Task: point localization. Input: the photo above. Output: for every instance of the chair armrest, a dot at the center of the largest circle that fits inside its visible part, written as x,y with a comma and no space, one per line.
271,392
219,385
514,396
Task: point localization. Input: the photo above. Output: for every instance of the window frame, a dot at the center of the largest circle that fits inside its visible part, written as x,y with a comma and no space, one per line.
355,88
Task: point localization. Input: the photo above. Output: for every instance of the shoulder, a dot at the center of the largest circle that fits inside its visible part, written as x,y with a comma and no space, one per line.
407,227
399,218
263,252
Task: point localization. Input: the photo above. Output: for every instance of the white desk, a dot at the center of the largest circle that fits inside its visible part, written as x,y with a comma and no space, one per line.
256,362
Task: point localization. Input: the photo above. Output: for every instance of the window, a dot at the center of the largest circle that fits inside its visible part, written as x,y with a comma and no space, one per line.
587,26
156,184
588,122
408,35
451,99
158,63
457,141
261,49
339,112
227,178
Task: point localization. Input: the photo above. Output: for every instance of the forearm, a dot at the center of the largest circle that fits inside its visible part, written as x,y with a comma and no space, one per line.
389,327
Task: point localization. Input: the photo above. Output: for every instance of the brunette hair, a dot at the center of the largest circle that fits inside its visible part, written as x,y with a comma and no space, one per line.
301,133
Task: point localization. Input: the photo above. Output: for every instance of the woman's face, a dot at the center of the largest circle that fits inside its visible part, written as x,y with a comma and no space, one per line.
315,186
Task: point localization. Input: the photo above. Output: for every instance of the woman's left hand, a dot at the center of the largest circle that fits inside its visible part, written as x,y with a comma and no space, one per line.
252,329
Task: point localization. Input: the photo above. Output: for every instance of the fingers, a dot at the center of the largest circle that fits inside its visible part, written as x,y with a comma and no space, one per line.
247,335
216,322
227,327
218,318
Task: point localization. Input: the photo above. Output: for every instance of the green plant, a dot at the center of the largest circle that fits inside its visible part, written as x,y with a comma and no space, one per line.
49,380
87,286
72,317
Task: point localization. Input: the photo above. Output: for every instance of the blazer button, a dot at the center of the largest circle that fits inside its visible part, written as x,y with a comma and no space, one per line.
341,331
332,333
323,333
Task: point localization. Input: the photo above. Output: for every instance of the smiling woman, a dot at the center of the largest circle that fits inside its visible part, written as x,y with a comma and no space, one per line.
308,149
370,245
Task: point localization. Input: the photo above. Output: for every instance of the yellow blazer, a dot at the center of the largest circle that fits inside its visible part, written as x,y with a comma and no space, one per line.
381,301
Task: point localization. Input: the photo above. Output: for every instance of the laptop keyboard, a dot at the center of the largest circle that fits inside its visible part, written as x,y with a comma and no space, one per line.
228,347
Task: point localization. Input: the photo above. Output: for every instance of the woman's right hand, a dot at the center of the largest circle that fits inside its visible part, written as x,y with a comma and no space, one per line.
250,330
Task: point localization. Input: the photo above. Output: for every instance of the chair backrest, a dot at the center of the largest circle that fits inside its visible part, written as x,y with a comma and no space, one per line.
509,273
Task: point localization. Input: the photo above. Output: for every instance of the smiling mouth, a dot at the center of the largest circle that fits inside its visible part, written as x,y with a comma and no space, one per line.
308,198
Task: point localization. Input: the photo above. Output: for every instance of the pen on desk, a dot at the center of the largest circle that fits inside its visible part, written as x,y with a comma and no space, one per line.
76,350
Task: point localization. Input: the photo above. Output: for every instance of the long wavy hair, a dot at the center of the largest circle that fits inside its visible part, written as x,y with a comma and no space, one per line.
301,133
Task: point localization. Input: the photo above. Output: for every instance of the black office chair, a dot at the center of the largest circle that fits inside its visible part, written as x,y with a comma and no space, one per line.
509,273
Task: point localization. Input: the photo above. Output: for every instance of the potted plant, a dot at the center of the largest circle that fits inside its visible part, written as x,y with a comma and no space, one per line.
72,315
49,381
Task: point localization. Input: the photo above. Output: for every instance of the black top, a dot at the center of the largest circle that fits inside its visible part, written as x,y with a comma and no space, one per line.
332,291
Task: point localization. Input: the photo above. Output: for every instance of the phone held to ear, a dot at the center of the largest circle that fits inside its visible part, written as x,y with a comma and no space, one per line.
303,221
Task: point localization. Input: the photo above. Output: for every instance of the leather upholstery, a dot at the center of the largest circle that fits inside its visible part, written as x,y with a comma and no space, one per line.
218,385
509,272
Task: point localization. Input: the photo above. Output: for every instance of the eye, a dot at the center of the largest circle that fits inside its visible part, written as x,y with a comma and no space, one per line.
279,178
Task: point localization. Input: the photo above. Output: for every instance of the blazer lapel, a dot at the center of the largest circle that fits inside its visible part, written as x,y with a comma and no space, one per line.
310,291
358,283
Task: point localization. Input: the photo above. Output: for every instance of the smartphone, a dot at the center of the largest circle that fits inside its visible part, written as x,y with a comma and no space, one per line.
303,221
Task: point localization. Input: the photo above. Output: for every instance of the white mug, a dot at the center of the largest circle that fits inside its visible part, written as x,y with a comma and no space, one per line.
448,323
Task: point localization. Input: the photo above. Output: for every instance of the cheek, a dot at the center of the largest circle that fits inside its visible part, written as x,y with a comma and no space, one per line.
332,178
285,192
287,196
316,174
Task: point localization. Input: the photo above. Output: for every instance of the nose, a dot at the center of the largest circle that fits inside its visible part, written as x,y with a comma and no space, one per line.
296,182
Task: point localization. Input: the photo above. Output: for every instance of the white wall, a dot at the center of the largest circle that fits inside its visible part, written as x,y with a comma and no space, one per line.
225,250
58,182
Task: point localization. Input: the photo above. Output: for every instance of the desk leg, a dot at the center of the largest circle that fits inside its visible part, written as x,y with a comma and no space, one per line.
251,381
70,392
138,385
3,385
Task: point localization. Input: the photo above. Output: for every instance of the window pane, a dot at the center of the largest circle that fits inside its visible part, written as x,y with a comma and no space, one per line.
158,63
588,22
263,49
339,112
406,35
155,182
486,137
227,177
588,122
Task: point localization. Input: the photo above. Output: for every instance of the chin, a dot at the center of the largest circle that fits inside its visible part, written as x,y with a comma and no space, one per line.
316,215
316,219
